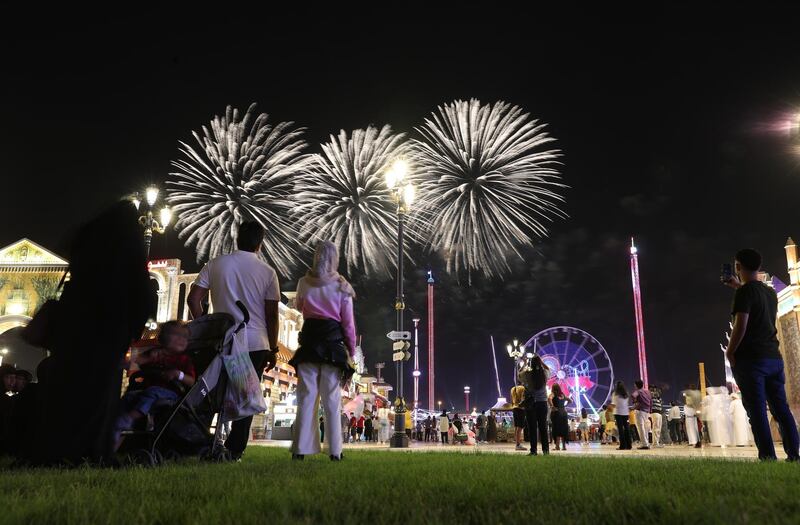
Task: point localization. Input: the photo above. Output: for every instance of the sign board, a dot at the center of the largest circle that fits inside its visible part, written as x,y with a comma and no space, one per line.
398,356
399,336
399,346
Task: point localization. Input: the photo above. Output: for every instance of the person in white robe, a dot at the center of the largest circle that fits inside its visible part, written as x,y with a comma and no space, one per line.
742,435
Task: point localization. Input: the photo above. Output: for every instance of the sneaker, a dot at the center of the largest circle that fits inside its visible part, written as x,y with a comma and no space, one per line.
519,447
336,458
698,445
643,447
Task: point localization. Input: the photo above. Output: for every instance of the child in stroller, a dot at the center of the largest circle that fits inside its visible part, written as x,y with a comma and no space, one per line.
165,371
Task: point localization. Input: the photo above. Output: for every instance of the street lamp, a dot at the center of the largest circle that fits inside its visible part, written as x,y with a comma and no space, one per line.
515,351
403,195
466,399
440,406
147,221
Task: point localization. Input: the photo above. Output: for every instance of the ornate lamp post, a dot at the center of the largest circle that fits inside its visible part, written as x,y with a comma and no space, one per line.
148,222
515,351
403,196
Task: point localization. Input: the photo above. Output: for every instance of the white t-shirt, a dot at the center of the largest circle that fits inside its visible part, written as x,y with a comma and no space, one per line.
620,405
244,277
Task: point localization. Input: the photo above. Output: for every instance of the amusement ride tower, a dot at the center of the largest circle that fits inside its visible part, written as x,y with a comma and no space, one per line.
416,372
431,385
637,306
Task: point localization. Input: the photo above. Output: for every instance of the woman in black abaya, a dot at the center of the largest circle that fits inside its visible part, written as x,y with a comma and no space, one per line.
103,308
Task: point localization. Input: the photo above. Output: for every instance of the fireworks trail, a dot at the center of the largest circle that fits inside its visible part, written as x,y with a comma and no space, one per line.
344,198
241,169
487,183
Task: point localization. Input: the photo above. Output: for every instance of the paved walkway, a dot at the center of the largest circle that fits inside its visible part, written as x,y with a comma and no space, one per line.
574,449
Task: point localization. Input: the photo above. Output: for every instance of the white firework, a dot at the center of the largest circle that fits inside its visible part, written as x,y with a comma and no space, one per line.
344,198
487,184
243,169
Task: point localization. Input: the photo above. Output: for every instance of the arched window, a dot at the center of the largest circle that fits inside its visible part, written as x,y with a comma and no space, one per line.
152,303
182,310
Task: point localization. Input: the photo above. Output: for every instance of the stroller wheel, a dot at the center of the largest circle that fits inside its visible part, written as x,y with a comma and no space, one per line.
218,455
158,457
142,458
171,455
222,455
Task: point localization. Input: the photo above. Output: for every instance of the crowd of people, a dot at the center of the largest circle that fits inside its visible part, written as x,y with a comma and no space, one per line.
91,420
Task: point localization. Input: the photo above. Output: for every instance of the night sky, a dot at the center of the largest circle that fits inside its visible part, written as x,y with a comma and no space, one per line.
664,125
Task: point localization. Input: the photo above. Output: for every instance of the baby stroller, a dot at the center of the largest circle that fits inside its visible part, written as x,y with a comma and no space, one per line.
182,428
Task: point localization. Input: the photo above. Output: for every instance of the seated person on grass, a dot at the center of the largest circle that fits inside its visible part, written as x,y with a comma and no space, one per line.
164,370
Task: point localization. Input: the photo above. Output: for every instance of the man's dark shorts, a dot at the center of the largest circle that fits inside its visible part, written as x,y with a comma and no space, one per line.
519,417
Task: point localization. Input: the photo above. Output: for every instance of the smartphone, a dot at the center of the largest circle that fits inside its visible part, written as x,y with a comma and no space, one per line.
727,272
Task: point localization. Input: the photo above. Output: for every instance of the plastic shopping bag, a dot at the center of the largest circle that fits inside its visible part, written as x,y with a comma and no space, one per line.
243,397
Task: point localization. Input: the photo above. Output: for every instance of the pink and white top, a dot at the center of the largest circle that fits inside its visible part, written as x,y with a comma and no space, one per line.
327,301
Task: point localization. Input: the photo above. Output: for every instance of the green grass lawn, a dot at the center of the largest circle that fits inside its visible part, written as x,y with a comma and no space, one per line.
373,487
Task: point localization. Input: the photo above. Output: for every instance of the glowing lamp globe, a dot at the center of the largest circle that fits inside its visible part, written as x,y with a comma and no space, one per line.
152,195
166,216
408,194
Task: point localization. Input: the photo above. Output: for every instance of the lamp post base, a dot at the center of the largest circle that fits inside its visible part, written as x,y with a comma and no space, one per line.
399,440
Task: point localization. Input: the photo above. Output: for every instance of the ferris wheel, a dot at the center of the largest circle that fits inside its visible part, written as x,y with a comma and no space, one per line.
577,362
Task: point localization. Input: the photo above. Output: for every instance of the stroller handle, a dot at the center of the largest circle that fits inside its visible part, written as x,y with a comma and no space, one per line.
246,313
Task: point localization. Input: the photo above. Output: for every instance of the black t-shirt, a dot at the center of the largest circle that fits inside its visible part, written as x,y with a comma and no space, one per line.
760,337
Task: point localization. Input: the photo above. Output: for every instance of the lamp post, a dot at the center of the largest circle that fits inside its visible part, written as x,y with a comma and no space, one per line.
466,400
440,406
148,222
403,195
515,351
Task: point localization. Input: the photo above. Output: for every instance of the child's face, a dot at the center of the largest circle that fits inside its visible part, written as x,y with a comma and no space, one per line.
177,340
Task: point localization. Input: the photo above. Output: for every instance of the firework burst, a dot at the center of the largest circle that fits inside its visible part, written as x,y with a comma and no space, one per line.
242,169
344,198
487,183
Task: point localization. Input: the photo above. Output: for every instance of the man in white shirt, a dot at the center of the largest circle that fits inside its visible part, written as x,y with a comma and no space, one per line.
242,276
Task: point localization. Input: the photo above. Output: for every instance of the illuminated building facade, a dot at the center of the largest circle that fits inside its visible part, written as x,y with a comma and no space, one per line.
29,276
789,325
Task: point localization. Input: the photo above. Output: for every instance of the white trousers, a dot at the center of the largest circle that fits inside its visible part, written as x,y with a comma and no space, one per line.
316,381
691,429
656,417
641,427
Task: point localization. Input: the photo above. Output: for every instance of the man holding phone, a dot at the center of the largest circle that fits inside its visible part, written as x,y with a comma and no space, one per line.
755,358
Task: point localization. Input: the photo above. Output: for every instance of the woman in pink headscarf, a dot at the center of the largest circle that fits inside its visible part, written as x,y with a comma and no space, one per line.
327,346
